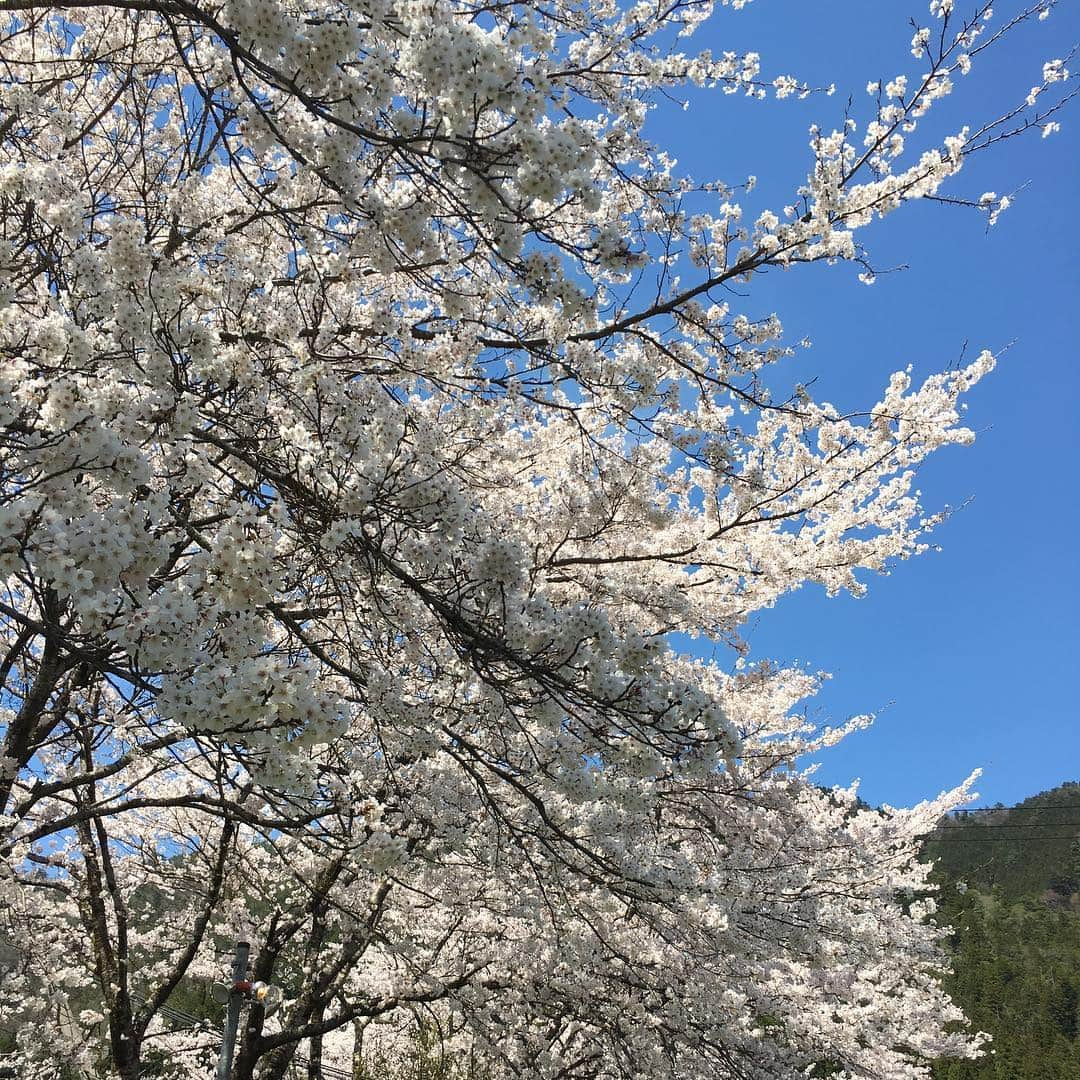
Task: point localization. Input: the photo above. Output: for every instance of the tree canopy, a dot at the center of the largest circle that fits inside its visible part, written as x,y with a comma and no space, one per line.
376,407
1010,893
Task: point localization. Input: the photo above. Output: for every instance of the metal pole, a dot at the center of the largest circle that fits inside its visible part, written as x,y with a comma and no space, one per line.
232,1014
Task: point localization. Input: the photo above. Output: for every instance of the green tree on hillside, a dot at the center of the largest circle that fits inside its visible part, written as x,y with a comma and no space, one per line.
1010,892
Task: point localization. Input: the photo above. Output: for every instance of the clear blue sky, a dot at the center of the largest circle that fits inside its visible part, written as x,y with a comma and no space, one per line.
968,655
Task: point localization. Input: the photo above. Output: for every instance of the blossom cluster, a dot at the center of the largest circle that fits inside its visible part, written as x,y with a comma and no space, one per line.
379,417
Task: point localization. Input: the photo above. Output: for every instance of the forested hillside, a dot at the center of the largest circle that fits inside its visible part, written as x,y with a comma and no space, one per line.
1011,892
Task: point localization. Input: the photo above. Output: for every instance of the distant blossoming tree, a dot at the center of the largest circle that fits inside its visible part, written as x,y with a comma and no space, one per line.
373,414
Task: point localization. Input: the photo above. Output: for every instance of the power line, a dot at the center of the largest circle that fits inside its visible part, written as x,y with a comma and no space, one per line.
991,839
190,1020
1006,825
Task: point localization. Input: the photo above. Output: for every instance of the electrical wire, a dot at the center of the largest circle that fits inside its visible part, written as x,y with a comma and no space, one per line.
1016,809
991,839
190,1020
1008,825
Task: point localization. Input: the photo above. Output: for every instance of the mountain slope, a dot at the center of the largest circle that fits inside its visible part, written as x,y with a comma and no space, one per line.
1011,892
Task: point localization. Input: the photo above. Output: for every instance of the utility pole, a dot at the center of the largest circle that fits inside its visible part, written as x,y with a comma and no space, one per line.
237,993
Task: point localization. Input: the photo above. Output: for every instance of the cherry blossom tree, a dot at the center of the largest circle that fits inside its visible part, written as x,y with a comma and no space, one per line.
373,415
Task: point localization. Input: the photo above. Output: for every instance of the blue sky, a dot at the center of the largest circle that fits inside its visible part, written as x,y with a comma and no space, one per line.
969,655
